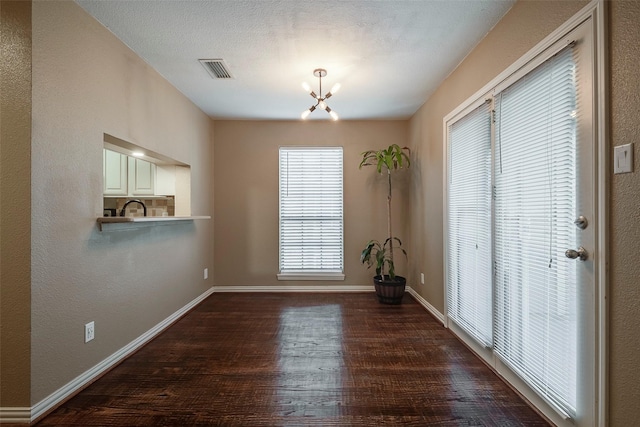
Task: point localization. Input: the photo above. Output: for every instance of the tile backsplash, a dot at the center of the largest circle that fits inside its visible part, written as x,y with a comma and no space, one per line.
155,206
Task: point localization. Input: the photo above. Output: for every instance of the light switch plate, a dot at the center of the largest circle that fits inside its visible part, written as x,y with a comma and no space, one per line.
89,331
623,158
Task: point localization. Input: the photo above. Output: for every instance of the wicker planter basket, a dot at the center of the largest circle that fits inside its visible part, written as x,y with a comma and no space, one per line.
390,291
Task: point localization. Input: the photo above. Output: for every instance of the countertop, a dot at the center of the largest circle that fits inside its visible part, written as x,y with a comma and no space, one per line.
133,219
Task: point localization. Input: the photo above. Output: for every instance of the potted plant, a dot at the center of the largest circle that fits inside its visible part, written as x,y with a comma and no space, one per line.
389,286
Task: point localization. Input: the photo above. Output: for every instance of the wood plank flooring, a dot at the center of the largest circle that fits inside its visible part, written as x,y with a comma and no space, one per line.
303,359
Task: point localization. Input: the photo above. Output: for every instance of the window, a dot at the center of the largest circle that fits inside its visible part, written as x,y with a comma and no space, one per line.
469,198
311,223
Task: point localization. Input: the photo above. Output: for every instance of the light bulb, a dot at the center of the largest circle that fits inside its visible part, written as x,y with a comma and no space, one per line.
305,114
306,86
335,88
322,105
137,154
333,115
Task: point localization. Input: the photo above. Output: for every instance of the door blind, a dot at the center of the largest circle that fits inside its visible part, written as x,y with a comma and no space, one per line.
535,169
469,298
311,224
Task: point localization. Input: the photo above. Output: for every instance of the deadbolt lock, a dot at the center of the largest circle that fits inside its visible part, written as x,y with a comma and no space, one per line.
581,222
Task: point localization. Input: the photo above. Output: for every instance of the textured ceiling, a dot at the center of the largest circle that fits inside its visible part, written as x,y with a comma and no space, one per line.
389,55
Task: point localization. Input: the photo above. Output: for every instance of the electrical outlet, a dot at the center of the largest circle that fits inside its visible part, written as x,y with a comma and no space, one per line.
422,278
89,331
206,273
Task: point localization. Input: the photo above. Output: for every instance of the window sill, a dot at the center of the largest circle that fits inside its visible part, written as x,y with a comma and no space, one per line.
311,276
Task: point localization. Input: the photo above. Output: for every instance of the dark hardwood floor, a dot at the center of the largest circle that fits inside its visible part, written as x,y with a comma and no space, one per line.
300,360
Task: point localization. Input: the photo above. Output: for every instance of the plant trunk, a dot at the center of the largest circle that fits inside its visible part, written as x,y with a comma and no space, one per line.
389,217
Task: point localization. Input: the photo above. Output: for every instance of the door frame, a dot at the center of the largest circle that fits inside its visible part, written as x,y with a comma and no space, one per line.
596,11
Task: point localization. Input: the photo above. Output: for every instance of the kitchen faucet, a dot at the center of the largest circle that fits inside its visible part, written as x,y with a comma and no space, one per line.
124,208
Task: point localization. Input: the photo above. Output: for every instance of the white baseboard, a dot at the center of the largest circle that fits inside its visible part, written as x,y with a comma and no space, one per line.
16,415
83,379
296,288
423,302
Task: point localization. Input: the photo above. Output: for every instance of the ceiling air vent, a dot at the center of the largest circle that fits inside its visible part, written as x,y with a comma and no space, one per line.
216,68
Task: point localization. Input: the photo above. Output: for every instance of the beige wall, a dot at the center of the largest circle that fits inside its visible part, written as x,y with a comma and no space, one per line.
15,202
86,83
525,25
624,284
246,194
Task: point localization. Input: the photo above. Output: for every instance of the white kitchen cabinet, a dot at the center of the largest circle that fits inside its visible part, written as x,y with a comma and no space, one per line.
114,173
165,180
127,176
142,177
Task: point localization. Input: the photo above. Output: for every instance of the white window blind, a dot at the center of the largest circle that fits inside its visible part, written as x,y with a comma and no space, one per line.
469,281
311,224
535,296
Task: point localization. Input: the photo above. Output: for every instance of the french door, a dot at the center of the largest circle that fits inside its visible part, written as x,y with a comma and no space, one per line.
521,228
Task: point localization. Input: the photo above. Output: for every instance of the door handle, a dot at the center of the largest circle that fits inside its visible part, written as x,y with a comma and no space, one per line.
580,253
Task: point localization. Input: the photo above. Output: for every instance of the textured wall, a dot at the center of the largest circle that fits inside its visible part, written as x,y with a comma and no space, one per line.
246,194
15,202
87,83
624,285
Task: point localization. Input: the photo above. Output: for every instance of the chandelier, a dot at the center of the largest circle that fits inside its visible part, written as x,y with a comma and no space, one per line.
320,73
